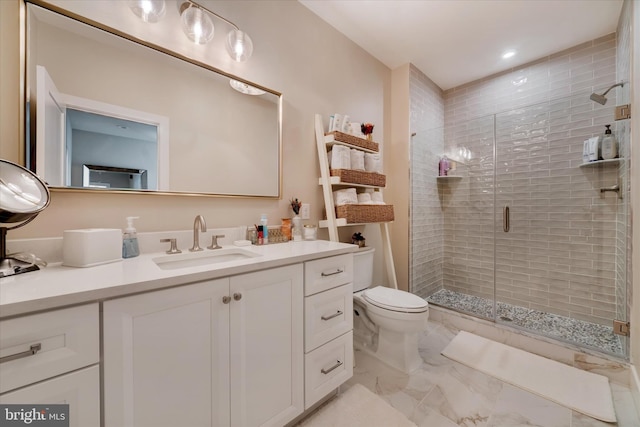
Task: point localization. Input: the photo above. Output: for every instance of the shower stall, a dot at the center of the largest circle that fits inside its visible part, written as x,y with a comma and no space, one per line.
522,231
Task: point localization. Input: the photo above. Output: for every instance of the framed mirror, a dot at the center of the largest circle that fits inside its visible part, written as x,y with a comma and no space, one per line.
98,102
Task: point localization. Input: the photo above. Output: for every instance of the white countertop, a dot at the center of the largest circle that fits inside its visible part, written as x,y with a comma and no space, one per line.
59,286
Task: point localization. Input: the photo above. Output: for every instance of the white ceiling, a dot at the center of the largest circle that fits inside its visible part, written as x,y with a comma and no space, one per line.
458,41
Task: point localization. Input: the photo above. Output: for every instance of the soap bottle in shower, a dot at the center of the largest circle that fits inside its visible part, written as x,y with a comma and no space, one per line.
609,145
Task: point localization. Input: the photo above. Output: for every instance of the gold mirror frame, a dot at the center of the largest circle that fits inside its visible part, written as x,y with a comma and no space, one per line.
24,93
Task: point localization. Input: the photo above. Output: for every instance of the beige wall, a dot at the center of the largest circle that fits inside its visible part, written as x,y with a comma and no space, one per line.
317,69
10,80
398,161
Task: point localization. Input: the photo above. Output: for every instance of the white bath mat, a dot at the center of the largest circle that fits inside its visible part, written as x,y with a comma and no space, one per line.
357,407
579,390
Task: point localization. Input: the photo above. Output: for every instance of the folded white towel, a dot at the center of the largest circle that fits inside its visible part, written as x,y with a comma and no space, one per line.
372,162
340,157
376,198
357,159
364,199
347,196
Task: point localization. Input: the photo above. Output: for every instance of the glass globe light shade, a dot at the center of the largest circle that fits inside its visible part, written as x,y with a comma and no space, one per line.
148,10
197,25
239,45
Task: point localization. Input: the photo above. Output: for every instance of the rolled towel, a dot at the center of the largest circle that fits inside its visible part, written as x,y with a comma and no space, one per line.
372,163
347,196
357,160
364,199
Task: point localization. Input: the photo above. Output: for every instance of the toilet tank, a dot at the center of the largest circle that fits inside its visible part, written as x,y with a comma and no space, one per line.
363,268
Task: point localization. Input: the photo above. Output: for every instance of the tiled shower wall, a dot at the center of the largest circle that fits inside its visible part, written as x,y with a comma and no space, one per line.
560,254
426,245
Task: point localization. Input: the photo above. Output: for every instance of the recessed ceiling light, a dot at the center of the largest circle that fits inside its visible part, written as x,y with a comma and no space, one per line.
508,54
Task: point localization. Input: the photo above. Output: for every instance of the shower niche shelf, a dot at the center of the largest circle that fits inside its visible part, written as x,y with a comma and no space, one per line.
601,163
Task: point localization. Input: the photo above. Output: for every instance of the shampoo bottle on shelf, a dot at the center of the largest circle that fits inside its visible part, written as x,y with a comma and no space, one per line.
609,145
130,247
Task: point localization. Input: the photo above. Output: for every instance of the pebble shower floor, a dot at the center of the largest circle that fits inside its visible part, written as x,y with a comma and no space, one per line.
592,335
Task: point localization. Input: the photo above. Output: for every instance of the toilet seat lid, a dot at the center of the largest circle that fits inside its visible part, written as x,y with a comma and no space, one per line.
395,299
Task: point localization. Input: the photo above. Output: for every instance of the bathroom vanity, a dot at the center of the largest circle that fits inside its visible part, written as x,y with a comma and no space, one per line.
222,343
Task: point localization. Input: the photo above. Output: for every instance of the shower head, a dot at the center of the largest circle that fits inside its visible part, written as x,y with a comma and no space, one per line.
602,99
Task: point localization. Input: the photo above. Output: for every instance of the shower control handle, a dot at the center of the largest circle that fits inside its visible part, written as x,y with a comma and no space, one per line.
505,219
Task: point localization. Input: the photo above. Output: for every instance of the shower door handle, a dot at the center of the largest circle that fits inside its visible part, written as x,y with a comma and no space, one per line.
505,219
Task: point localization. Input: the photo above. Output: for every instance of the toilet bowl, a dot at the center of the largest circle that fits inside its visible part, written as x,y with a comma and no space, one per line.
386,321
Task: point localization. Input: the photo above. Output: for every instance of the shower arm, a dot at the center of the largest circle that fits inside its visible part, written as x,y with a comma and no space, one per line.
615,85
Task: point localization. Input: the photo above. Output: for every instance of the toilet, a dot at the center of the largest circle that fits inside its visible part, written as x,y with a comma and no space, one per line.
387,321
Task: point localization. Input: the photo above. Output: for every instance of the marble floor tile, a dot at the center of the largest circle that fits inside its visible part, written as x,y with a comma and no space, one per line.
444,393
516,407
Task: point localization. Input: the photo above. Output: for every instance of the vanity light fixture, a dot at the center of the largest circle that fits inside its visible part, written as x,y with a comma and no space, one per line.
197,25
148,10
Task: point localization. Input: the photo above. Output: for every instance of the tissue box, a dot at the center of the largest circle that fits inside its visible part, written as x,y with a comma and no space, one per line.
91,246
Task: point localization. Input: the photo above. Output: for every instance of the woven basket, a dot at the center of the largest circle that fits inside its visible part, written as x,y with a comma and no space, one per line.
356,214
354,140
360,177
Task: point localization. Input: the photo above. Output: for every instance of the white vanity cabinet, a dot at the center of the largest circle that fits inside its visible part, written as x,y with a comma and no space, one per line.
328,325
216,353
52,358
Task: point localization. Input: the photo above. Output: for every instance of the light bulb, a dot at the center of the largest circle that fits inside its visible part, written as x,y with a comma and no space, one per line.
148,10
239,45
197,25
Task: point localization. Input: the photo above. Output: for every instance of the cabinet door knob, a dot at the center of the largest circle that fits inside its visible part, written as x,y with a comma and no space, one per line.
237,296
226,299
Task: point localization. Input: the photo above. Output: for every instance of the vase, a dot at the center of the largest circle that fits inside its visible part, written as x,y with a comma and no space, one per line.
369,137
296,223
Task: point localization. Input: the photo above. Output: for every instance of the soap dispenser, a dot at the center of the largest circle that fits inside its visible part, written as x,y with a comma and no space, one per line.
609,145
130,247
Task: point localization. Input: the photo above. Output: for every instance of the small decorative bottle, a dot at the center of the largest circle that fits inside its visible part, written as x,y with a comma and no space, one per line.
443,166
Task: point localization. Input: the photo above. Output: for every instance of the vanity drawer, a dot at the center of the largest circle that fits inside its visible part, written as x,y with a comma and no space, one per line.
327,273
68,339
327,367
328,315
79,389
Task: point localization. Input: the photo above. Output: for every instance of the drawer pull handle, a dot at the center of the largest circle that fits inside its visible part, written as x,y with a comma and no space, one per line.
326,371
32,350
338,271
332,316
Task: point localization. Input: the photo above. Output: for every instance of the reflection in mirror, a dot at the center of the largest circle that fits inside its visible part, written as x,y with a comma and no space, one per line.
100,101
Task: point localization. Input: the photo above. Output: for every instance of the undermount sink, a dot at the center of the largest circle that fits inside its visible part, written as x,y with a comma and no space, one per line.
198,259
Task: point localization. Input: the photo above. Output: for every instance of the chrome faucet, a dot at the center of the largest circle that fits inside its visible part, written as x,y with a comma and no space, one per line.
198,226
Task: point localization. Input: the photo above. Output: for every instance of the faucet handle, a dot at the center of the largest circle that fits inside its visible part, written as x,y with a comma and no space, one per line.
214,241
174,246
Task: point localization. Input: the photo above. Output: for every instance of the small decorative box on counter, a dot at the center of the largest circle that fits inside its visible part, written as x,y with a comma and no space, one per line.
355,214
91,246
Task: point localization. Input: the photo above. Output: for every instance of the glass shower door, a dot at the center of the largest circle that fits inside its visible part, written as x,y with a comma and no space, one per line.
559,241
